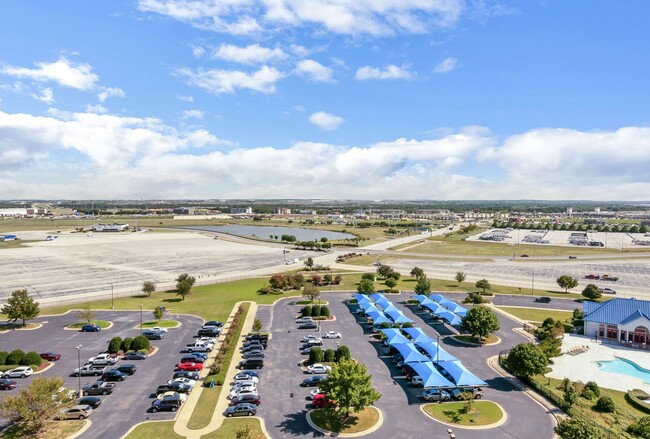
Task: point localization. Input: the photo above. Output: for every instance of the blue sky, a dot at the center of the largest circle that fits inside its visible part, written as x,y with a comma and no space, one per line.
437,99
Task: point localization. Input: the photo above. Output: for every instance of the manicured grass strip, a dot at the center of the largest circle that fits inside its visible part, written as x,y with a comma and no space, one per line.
230,427
148,430
309,302
9,326
469,339
101,323
230,351
537,314
482,413
357,422
55,430
162,324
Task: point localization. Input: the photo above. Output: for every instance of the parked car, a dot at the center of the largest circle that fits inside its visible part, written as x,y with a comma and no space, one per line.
313,381
213,323
321,400
253,354
6,384
244,409
457,393
172,395
98,388
185,374
417,381
592,276
318,368
188,381
159,328
524,256
543,299
192,359
192,367
606,291
242,388
573,257
50,356
92,401
198,347
332,334
153,335
252,347
249,398
134,356
76,412
170,405
609,278
19,372
243,376
251,363
264,336
90,328
436,395
128,369
113,375
307,325
311,337
103,359
175,386
210,331
89,369
304,320
314,392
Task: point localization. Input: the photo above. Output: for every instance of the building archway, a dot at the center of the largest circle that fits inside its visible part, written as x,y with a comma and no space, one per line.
641,335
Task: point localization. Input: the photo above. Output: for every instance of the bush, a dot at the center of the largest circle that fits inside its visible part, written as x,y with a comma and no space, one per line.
474,298
315,311
605,404
3,357
315,355
343,352
140,343
265,290
353,301
633,398
31,359
330,356
126,344
114,345
641,428
15,357
306,311
384,325
324,311
591,388
407,325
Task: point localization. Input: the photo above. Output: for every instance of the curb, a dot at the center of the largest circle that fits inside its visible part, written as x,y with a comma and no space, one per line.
50,366
110,325
171,327
82,430
372,429
499,423
38,326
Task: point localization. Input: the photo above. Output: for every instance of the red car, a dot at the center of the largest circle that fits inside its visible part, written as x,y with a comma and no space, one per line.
190,367
592,276
321,400
7,384
524,256
50,356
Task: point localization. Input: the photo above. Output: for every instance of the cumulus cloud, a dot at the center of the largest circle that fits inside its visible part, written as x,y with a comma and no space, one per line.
252,54
325,120
218,81
446,65
198,51
195,114
186,98
46,95
98,109
391,72
63,72
314,71
109,92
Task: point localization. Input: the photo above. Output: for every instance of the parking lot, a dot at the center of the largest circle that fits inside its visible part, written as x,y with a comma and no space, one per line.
129,403
400,402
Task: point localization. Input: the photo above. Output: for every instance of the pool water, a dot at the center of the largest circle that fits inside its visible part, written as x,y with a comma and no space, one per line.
624,367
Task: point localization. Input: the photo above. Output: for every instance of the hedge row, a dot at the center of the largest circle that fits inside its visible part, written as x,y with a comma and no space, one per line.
139,343
315,311
19,358
226,350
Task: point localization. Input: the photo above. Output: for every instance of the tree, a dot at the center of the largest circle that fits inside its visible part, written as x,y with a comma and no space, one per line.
86,313
158,313
570,395
460,278
526,359
329,356
148,287
257,325
384,270
591,292
391,283
605,404
417,273
577,428
338,279
315,355
20,306
327,279
368,276
480,321
567,282
126,344
342,354
32,409
366,287
140,343
350,385
184,284
278,281
423,286
316,280
641,428
483,285
114,345
310,291
309,262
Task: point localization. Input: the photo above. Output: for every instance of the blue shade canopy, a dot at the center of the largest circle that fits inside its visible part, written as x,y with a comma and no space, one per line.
461,375
391,308
384,303
430,376
377,296
433,306
410,353
417,334
394,335
435,351
397,316
426,302
450,317
446,303
378,318
367,307
437,297
359,296
420,297
458,310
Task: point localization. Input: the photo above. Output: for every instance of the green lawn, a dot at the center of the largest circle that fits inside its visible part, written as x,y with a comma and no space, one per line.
309,302
162,324
537,314
483,413
469,339
230,427
357,422
148,430
202,414
101,323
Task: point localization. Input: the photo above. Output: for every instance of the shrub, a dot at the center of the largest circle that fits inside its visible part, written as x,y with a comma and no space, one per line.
353,301
342,353
315,355
306,311
315,311
31,359
15,357
605,404
265,290
407,325
324,311
641,428
474,298
338,279
3,357
593,389
329,356
126,344
114,345
369,276
384,325
140,343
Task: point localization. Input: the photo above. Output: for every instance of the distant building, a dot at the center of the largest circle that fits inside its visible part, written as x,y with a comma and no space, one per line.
282,211
8,238
307,212
13,211
109,227
626,321
569,211
184,210
241,210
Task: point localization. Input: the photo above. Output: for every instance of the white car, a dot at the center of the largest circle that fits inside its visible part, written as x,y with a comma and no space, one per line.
103,359
181,396
242,384
188,381
159,328
417,381
318,368
311,337
19,372
314,392
243,391
207,340
332,334
304,320
244,377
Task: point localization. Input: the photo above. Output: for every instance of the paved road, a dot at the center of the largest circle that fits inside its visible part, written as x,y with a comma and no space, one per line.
128,404
285,416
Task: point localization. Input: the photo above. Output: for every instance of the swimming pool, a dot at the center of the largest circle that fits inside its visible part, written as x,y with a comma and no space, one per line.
623,366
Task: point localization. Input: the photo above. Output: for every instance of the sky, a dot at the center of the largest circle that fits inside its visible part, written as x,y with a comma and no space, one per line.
340,99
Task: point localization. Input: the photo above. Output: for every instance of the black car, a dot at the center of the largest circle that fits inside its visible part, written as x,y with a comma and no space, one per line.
170,405
208,332
313,381
90,328
92,401
214,323
134,356
251,363
192,359
153,335
253,354
128,369
307,325
252,347
243,409
186,374
543,299
174,387
264,336
113,375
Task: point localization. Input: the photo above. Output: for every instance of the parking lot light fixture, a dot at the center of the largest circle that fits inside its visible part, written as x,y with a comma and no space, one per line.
112,298
140,306
79,366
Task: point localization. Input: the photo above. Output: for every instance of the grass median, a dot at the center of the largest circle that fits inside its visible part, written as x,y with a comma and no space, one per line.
246,428
537,314
101,323
148,430
458,413
162,324
356,423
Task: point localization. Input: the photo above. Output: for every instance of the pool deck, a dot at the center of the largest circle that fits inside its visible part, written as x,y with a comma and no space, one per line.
582,367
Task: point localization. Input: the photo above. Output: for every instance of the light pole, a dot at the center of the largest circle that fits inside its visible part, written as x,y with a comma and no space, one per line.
532,288
140,306
79,367
112,299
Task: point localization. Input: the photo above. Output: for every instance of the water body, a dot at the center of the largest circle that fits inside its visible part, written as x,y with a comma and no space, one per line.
625,367
265,232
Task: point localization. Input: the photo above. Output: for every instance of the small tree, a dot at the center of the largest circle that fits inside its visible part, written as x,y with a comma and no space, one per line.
278,281
327,279
368,276
140,343
391,283
329,356
20,306
384,270
577,428
86,313
158,313
417,273
591,390
15,357
126,344
315,311
567,282
366,287
526,359
423,286
114,345
148,287
309,262
480,321
31,359
316,280
343,353
306,311
310,292
257,325
640,428
570,395
315,355
591,292
350,385
605,404
324,311
338,279
184,284
483,285
460,277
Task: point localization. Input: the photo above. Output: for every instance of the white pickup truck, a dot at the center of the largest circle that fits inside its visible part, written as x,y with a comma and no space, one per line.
103,359
199,347
89,370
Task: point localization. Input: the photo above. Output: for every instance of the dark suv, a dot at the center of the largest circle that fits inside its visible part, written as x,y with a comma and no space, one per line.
90,328
263,336
543,300
153,335
174,387
128,369
251,363
210,331
170,405
113,375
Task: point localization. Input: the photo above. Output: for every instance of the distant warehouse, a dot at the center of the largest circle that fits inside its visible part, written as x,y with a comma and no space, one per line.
109,227
8,238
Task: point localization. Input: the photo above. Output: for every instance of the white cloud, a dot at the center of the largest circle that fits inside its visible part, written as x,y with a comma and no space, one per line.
198,52
186,98
227,81
314,71
390,72
108,92
252,54
446,65
46,96
196,114
325,120
66,73
97,109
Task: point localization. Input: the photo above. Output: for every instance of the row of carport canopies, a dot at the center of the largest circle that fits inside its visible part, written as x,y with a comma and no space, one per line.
380,309
442,307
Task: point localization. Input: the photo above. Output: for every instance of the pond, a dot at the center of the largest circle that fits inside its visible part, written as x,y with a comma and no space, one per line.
264,232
